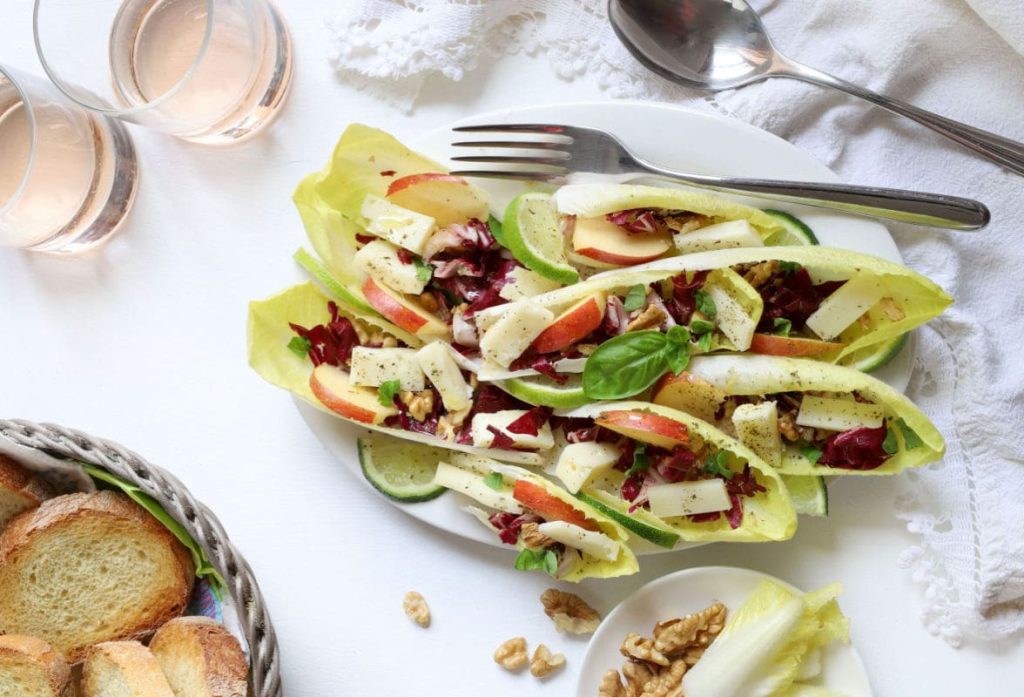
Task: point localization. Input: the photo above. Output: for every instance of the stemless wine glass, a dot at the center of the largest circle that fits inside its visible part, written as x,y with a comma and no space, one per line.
67,177
208,71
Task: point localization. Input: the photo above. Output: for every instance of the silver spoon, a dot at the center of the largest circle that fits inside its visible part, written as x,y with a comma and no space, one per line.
721,44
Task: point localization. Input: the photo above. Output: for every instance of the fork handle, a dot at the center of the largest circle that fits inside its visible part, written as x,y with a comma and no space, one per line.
918,208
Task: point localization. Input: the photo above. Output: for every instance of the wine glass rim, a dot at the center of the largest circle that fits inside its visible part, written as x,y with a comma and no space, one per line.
116,112
8,74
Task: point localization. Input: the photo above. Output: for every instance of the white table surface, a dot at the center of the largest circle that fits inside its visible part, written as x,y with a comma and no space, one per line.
144,343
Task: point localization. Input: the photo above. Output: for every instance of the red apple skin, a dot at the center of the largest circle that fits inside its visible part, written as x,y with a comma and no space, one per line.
385,303
772,345
688,393
606,242
572,325
444,197
337,402
646,427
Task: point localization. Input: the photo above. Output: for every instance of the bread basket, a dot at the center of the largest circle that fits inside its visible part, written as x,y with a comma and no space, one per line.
198,520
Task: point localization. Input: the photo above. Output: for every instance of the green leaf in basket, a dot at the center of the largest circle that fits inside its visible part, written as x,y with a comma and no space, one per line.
204,569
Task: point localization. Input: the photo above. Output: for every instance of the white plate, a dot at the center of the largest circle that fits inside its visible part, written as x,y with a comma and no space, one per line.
668,136
692,590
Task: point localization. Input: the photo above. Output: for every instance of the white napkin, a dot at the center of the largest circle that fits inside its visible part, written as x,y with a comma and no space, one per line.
958,57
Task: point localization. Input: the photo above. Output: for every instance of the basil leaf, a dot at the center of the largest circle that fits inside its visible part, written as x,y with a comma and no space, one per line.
497,230
640,460
387,392
626,365
910,438
705,305
424,271
495,481
678,356
300,346
890,444
789,266
701,326
811,453
531,559
705,343
635,298
718,464
782,326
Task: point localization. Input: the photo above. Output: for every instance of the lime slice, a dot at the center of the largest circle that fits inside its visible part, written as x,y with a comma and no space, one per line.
874,357
533,234
542,391
794,232
323,276
401,470
808,494
662,535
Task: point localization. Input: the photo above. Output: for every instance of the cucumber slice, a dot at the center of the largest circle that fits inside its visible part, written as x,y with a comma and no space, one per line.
794,232
808,494
400,470
323,276
660,535
542,391
874,357
532,232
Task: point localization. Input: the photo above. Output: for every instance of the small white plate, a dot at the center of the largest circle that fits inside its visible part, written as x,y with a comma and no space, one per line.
692,590
674,137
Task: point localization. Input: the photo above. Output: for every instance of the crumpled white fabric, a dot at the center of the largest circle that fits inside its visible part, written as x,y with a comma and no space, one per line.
961,58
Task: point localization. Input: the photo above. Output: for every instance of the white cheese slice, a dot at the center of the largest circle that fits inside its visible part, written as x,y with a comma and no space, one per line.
728,235
841,309
737,325
838,414
436,362
688,498
472,485
578,463
483,438
523,283
395,224
757,427
513,333
596,544
372,367
380,260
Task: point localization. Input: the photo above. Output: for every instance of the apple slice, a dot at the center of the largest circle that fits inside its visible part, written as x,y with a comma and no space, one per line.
773,345
573,324
407,314
689,393
604,241
643,426
331,385
444,197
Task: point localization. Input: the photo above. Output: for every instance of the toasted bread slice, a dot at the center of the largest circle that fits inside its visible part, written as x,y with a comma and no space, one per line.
20,490
30,667
85,568
201,658
123,669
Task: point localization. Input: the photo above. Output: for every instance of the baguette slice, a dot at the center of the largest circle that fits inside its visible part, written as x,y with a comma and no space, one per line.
20,490
201,658
85,568
30,667
123,669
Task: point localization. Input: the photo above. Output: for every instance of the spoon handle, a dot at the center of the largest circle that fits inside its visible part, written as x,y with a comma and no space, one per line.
1003,151
916,207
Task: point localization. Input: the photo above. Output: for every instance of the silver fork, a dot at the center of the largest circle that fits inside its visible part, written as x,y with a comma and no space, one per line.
563,150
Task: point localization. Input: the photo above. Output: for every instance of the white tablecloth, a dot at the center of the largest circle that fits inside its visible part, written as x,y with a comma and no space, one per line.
145,344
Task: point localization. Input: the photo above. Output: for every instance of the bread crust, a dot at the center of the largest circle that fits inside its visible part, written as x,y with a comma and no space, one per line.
23,483
15,648
56,512
216,652
138,667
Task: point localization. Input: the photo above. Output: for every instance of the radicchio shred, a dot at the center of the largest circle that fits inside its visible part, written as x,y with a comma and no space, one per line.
856,449
330,343
636,221
793,296
684,296
530,423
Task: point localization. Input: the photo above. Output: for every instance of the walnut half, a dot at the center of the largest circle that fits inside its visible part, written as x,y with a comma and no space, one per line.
638,648
511,655
570,612
544,663
416,609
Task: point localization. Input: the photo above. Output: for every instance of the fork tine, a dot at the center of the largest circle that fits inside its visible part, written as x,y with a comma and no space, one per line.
509,174
520,144
548,128
515,160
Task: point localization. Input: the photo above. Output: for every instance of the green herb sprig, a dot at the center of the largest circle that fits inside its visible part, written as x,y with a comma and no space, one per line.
632,362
